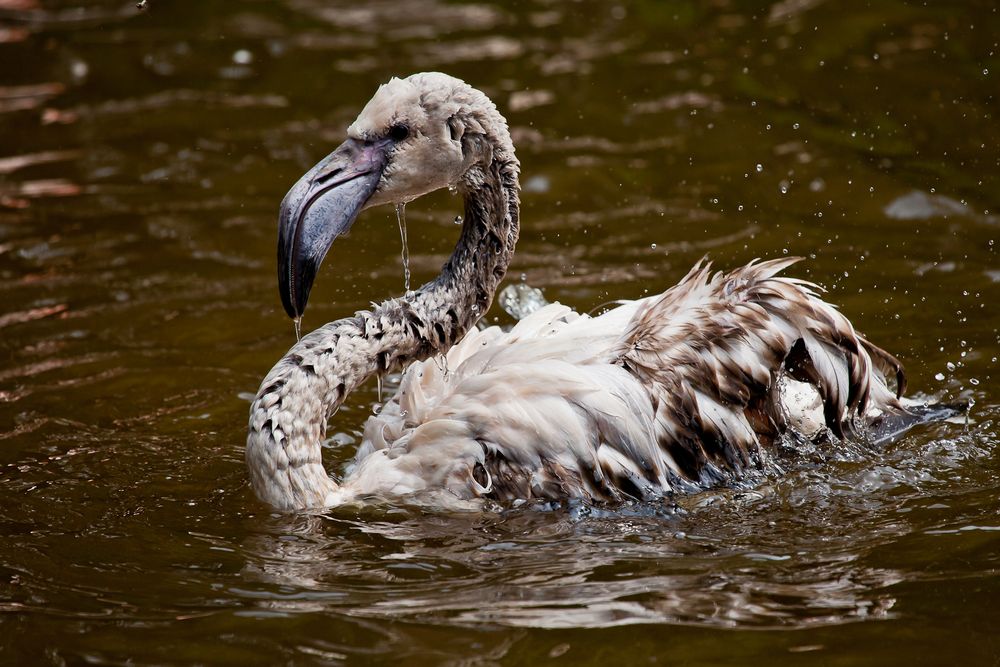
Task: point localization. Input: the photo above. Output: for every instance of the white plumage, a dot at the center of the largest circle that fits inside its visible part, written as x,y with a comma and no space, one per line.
566,405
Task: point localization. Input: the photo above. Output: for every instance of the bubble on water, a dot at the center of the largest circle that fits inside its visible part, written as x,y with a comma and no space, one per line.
950,366
759,167
652,246
974,382
459,220
939,376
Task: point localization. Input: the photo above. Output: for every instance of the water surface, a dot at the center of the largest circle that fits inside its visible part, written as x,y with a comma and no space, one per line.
142,159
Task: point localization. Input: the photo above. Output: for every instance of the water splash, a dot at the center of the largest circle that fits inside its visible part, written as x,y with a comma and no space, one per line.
297,322
521,300
401,219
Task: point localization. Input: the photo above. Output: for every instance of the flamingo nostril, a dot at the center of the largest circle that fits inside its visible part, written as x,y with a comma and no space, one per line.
324,176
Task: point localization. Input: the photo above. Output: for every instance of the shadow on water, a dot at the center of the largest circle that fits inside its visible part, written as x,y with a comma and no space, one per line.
142,158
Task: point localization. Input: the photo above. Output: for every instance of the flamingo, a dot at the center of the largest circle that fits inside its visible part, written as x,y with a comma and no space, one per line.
672,393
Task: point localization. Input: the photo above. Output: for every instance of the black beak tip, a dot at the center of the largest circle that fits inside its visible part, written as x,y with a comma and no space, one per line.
292,309
294,284
289,284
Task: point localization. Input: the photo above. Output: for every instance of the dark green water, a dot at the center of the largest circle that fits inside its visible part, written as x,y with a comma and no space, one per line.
142,159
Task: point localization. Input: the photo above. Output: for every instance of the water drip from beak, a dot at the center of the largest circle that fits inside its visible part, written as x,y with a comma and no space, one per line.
401,219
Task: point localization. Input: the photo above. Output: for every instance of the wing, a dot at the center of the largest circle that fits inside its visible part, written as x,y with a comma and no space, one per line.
681,390
536,412
713,350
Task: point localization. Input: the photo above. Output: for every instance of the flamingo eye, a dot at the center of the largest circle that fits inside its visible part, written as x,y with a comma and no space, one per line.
399,132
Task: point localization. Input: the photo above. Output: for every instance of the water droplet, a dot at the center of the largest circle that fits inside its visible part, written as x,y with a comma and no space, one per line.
459,220
939,376
242,57
759,167
652,246
441,361
401,219
950,366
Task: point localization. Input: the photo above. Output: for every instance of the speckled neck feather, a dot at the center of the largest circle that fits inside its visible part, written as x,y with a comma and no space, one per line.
289,415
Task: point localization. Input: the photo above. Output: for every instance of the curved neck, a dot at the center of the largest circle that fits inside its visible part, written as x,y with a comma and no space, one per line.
288,417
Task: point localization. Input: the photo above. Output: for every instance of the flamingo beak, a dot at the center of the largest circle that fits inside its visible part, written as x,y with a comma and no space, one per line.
321,206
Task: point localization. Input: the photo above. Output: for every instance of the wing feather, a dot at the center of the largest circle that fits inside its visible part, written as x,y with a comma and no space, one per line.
677,391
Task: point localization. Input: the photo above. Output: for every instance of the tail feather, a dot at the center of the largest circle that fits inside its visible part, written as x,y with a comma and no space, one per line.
892,425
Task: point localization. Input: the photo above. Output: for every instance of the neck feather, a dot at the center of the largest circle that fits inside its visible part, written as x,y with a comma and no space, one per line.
289,415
